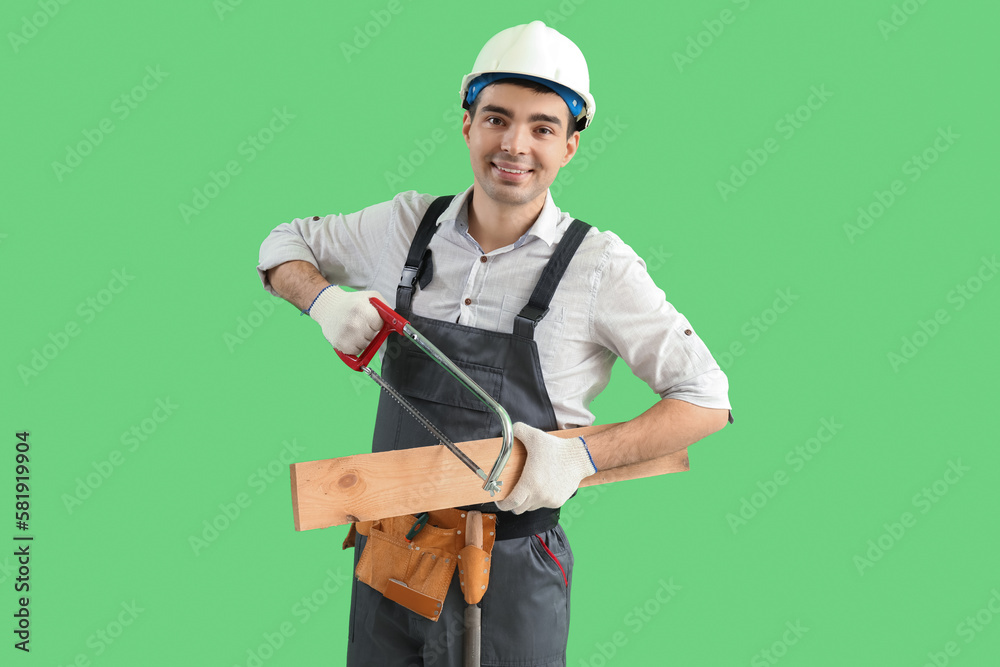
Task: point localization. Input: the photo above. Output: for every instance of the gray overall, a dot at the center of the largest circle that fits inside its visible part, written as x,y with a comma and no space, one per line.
525,610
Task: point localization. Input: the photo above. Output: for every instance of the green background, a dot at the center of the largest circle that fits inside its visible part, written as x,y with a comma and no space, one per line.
667,131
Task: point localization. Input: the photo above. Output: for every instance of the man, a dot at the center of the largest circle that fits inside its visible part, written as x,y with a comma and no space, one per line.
536,307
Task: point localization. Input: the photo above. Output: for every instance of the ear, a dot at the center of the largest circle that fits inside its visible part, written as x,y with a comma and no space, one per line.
572,144
466,126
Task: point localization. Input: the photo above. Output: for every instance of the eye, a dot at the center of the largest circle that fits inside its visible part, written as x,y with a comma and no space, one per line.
490,119
546,130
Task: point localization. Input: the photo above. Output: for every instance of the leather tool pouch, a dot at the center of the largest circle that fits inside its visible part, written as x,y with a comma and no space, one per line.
417,574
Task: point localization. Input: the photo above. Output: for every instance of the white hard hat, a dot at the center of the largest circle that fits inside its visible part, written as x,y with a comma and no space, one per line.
537,52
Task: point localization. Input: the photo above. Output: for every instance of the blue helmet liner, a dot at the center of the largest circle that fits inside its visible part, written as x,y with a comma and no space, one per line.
572,100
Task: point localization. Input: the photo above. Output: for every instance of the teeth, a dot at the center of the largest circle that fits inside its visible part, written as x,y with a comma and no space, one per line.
513,171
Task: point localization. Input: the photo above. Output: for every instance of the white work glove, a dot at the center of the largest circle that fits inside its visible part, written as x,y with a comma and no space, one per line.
349,321
552,471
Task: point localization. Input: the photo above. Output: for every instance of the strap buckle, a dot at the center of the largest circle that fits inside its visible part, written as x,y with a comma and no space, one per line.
526,321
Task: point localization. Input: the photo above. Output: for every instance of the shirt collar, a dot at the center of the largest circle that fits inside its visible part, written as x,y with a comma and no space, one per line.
456,216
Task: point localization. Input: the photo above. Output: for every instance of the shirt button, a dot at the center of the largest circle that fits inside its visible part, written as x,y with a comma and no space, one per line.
315,217
483,259
468,302
687,332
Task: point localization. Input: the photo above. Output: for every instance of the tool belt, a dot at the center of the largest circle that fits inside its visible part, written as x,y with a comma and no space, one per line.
417,572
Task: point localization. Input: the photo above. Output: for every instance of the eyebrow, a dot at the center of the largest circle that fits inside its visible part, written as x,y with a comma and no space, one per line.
533,118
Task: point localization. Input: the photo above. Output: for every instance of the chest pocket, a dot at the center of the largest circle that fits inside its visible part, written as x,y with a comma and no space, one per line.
426,380
445,401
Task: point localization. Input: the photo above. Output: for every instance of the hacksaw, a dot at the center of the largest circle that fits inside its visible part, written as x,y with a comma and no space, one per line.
393,321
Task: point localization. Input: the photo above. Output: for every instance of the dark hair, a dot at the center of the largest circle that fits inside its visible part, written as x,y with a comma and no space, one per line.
532,85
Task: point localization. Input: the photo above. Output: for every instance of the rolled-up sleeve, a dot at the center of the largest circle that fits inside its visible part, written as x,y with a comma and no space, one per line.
345,249
633,319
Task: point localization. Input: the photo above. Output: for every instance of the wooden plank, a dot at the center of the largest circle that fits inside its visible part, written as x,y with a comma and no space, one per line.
362,487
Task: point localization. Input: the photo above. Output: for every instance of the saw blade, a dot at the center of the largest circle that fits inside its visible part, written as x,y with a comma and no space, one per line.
426,423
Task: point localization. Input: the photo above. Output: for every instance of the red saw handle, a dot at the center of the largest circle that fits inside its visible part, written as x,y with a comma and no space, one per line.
392,321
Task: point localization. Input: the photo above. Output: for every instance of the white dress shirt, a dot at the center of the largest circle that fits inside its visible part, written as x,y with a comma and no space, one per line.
606,306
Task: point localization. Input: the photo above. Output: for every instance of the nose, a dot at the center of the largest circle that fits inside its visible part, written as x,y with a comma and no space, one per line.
515,139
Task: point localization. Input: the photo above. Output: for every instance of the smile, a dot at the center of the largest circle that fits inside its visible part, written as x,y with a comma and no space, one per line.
510,174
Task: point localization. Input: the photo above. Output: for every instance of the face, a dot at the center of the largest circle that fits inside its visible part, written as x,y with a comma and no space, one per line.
517,142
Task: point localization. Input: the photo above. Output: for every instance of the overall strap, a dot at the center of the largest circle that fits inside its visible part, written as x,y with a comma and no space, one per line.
418,259
538,304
